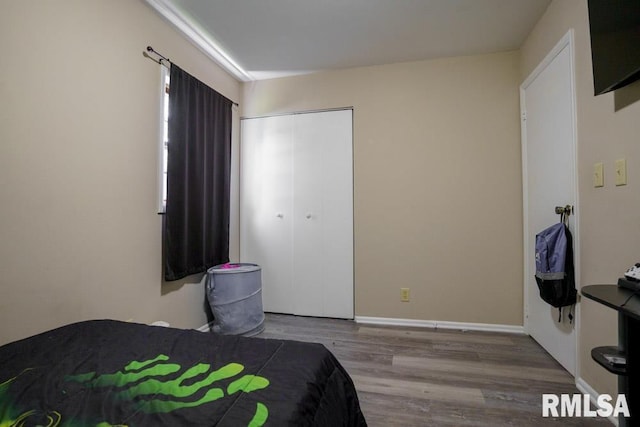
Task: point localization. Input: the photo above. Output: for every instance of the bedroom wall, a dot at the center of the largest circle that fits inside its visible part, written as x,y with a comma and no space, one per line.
608,129
79,234
437,180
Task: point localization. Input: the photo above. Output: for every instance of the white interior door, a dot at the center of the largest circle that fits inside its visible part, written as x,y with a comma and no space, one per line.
266,204
549,180
323,214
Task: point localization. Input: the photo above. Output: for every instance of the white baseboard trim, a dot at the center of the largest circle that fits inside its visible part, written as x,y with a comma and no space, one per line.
432,324
437,324
585,388
206,327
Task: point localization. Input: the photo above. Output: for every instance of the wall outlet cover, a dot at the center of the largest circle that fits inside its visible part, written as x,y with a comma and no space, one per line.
598,175
621,171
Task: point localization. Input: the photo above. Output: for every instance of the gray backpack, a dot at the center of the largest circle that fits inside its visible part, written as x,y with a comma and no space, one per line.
554,267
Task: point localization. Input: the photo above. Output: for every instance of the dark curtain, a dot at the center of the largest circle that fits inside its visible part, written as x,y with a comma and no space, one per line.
198,176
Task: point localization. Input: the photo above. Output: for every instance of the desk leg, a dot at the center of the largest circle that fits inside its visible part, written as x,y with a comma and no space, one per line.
623,381
629,341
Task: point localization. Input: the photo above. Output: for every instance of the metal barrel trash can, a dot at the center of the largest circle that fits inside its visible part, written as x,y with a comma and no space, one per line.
234,293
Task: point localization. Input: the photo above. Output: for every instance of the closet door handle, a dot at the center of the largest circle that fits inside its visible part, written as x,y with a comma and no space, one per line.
280,215
308,215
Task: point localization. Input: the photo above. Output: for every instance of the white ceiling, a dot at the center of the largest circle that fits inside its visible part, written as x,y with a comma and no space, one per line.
270,38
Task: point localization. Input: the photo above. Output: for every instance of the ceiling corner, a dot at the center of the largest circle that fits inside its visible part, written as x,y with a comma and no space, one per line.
203,41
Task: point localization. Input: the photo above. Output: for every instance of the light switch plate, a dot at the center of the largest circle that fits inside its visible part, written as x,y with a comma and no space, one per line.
621,172
598,175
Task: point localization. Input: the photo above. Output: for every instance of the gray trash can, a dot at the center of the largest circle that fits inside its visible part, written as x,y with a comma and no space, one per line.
234,292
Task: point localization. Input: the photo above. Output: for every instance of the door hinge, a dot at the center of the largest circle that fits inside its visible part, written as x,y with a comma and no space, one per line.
523,116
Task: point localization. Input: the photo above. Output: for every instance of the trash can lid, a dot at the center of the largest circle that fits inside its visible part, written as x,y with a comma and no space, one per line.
231,268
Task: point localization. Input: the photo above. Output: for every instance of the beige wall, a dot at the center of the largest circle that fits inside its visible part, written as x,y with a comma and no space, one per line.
79,234
609,216
437,180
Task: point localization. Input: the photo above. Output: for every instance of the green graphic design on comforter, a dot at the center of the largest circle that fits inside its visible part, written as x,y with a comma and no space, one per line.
150,386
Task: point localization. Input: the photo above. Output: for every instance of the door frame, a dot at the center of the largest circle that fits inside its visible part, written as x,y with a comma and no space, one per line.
567,41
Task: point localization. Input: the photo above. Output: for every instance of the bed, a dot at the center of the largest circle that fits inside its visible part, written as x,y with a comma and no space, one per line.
109,373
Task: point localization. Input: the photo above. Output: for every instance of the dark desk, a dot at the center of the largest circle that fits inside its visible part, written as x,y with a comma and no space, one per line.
628,307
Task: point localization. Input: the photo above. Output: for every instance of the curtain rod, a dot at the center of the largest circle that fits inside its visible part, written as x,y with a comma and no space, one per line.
164,58
159,60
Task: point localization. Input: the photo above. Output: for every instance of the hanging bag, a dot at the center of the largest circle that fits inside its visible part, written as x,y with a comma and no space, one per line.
554,267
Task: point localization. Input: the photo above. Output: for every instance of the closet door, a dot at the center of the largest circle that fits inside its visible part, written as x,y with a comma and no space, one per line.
296,211
323,214
266,204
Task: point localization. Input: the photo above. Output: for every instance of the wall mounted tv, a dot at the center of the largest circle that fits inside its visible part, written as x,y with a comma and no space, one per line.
615,43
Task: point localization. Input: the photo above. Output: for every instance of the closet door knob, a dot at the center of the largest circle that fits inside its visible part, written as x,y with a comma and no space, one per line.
308,216
280,215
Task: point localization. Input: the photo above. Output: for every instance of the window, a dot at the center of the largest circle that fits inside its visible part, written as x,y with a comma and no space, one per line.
163,148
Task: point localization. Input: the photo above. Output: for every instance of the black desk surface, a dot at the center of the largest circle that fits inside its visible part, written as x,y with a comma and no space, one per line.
623,300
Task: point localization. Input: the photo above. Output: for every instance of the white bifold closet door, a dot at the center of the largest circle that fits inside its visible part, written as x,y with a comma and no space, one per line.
296,210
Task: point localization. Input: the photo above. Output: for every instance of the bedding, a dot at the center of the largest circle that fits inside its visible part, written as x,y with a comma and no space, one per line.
109,373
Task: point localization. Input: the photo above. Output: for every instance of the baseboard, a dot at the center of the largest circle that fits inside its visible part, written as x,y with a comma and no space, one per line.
206,327
432,324
585,388
437,324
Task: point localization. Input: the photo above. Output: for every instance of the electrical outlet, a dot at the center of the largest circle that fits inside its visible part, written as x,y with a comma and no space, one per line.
404,294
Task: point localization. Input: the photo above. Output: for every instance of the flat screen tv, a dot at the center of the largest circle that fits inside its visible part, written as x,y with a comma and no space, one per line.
615,43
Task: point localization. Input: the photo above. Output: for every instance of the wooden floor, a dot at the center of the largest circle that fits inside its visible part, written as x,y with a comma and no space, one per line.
426,377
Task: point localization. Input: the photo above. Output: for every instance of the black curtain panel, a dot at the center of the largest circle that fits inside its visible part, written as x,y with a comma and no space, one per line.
198,177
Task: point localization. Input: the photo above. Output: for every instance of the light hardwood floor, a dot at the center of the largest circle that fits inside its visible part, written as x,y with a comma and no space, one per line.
426,377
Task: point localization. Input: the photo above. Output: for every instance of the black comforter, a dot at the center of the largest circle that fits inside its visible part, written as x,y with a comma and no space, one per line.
108,373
